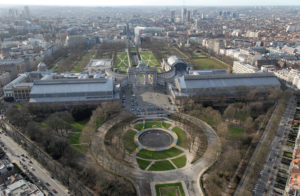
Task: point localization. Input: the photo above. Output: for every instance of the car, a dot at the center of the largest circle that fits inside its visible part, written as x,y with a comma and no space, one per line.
32,169
54,191
47,184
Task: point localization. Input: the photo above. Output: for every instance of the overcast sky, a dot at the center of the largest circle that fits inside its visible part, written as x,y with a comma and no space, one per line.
151,2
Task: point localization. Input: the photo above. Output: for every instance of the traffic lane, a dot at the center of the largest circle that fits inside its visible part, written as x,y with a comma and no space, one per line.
40,173
15,150
264,179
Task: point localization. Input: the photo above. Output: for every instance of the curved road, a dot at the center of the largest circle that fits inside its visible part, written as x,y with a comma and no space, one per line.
141,179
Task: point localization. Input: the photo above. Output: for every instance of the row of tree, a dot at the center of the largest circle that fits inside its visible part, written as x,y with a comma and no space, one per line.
248,116
49,128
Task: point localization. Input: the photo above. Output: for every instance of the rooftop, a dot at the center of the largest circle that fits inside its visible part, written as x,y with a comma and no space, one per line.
100,63
71,85
227,81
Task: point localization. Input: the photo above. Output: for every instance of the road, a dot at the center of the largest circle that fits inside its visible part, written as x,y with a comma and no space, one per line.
265,183
14,152
143,180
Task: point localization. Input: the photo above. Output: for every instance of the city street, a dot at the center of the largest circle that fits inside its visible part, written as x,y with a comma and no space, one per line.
265,184
19,156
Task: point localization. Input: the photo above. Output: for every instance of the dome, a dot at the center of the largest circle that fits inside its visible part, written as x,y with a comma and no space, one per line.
42,67
178,63
172,60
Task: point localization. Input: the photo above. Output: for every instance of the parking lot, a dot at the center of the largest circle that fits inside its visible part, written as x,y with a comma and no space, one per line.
147,101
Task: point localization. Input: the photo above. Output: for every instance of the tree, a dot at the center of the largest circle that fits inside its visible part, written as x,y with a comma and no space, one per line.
18,116
80,113
60,122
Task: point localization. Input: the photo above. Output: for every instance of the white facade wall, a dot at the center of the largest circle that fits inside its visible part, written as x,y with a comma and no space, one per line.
239,67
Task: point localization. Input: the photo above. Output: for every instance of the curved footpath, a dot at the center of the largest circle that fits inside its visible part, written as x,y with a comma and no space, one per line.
144,181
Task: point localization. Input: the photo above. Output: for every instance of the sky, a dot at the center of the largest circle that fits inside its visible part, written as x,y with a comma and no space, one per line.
150,2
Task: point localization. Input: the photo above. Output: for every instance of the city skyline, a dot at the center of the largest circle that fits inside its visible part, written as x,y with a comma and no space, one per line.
153,3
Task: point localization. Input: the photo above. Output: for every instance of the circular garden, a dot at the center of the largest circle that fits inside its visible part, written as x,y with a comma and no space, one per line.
157,145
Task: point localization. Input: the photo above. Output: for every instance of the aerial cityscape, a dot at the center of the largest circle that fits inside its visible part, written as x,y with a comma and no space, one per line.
150,98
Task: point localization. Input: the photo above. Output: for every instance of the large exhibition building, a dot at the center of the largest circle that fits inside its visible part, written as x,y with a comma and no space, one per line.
72,90
213,86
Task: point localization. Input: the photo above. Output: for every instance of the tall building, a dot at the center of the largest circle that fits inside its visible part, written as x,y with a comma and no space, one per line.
173,16
188,16
26,12
183,14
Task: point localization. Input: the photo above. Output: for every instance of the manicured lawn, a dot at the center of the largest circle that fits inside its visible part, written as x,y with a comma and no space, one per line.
149,58
74,138
146,154
236,132
122,71
142,163
206,63
159,70
180,161
121,60
153,124
161,166
78,126
161,188
133,50
168,191
129,140
182,140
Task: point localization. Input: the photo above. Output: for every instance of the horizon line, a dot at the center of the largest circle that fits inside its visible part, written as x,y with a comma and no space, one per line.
67,5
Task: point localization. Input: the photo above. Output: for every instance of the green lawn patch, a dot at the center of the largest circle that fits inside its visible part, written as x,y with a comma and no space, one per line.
129,140
159,70
149,58
180,161
121,60
236,132
73,138
206,63
80,148
283,171
43,125
143,164
147,154
78,126
171,189
122,71
133,50
288,154
153,124
290,144
161,166
182,140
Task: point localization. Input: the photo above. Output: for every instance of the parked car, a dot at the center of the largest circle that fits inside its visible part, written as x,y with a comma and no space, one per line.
54,191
